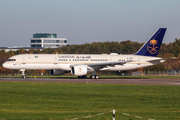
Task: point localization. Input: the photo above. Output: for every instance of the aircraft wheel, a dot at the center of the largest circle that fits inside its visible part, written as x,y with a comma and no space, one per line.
84,76
23,76
92,76
97,76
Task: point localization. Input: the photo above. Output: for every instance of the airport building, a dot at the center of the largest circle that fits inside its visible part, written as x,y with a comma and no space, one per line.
45,40
40,41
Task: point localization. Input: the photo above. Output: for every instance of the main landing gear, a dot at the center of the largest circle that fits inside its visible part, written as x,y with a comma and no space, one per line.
23,73
84,76
94,76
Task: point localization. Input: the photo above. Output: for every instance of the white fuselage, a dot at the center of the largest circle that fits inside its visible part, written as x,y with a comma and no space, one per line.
65,61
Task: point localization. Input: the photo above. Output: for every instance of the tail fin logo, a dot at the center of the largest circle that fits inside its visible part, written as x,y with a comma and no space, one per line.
152,46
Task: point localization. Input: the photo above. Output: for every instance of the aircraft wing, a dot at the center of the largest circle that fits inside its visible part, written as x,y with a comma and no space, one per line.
107,63
98,66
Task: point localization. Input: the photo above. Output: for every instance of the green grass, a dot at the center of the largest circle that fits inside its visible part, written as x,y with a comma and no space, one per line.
61,101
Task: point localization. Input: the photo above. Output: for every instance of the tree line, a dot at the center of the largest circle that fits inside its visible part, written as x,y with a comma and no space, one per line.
125,47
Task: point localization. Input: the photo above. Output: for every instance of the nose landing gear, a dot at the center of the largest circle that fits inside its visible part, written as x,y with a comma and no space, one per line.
23,73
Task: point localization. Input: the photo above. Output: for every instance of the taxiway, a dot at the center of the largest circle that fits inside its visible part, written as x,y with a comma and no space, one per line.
98,81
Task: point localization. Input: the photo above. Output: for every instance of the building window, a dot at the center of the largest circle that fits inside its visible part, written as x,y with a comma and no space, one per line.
35,45
44,35
50,41
35,41
53,36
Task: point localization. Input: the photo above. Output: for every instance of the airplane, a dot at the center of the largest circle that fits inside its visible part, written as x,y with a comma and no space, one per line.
81,64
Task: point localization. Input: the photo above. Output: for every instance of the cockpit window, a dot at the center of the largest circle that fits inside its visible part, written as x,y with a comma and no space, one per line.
11,60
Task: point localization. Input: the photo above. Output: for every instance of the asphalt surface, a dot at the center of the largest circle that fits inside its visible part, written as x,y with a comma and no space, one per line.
98,81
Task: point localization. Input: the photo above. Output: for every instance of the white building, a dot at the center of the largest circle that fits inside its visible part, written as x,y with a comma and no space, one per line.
45,40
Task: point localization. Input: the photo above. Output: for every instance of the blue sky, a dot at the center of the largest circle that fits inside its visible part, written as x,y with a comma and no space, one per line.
87,21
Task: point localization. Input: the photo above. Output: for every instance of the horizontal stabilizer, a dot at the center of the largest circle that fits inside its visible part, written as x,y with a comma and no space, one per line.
161,59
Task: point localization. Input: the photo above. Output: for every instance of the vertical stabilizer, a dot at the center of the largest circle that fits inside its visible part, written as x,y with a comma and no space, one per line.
152,46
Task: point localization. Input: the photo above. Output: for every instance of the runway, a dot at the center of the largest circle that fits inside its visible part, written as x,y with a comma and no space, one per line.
98,81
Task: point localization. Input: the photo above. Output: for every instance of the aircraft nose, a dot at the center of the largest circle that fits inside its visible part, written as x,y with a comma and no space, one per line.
5,65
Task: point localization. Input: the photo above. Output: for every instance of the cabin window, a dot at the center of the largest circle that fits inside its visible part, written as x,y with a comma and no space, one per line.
11,60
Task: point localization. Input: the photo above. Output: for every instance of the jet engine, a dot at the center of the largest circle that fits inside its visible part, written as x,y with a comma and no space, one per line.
57,72
79,70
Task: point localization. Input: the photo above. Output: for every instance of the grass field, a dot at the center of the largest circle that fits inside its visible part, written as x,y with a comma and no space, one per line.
62,101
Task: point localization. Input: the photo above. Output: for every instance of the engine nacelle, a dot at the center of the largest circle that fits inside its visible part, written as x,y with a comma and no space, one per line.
79,70
57,72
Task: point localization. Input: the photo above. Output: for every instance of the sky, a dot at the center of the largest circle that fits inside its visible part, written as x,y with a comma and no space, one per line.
87,21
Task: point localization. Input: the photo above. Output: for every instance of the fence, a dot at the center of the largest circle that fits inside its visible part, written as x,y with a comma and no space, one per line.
156,73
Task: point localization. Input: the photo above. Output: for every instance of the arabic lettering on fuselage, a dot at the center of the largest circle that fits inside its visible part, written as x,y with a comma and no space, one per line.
74,56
